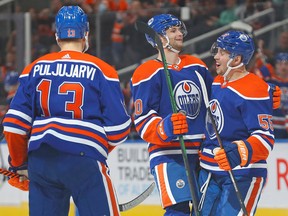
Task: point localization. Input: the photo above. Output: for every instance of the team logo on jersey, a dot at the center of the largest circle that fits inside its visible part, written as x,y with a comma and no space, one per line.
218,117
180,183
188,98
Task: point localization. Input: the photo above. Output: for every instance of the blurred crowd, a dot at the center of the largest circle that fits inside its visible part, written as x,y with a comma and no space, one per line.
121,45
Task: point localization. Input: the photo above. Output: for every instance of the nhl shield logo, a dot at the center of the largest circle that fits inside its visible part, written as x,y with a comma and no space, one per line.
218,117
188,97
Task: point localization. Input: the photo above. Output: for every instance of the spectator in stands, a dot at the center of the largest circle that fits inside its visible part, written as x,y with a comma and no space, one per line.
118,5
229,14
45,31
135,47
117,38
282,45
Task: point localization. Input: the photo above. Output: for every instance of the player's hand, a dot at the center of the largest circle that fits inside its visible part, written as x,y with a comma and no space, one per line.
276,95
238,153
21,182
171,126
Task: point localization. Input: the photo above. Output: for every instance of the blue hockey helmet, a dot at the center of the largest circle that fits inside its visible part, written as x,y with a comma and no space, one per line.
236,43
160,23
280,57
71,23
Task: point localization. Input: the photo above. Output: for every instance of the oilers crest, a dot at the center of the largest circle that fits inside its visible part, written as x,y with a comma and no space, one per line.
218,117
188,97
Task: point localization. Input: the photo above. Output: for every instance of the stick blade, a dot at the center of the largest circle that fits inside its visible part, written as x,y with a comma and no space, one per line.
137,200
146,29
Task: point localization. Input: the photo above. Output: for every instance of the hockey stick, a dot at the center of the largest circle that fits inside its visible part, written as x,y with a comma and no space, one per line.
144,28
205,97
123,207
139,199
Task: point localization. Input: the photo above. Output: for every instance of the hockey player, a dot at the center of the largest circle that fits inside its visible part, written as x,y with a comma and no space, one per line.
278,75
154,120
69,109
242,109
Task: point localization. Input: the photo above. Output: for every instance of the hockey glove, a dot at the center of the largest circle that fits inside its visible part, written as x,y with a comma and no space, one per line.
171,126
238,153
22,181
276,95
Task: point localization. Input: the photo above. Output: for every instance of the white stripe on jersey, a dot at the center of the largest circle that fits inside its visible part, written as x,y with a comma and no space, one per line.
20,114
267,146
167,185
172,152
73,139
15,130
70,122
118,127
248,98
147,124
147,79
250,166
144,116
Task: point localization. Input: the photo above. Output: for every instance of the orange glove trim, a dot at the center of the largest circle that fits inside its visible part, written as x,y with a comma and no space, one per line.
243,152
161,132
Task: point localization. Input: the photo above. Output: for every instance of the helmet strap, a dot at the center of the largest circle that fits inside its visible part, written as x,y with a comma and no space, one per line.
230,68
168,46
86,47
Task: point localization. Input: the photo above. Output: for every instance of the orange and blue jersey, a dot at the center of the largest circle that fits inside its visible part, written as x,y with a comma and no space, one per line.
242,110
71,101
152,104
267,72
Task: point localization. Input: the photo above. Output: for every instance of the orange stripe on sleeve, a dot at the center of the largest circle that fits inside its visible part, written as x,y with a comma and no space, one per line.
259,150
151,135
118,136
17,122
18,148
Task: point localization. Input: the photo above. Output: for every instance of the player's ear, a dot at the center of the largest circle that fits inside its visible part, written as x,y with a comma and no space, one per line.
237,60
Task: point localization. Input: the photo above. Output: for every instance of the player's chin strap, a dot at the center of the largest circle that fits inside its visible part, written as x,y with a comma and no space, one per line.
169,46
230,68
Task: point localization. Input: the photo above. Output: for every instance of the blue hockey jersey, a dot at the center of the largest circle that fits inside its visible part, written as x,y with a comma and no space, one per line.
242,110
152,104
71,101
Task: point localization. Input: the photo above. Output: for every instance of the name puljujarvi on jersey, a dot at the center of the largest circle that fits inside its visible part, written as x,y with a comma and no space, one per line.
65,70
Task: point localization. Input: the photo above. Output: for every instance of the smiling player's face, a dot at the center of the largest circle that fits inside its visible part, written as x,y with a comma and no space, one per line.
221,59
175,36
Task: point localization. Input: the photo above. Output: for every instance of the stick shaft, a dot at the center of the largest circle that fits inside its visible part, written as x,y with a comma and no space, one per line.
144,28
205,97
